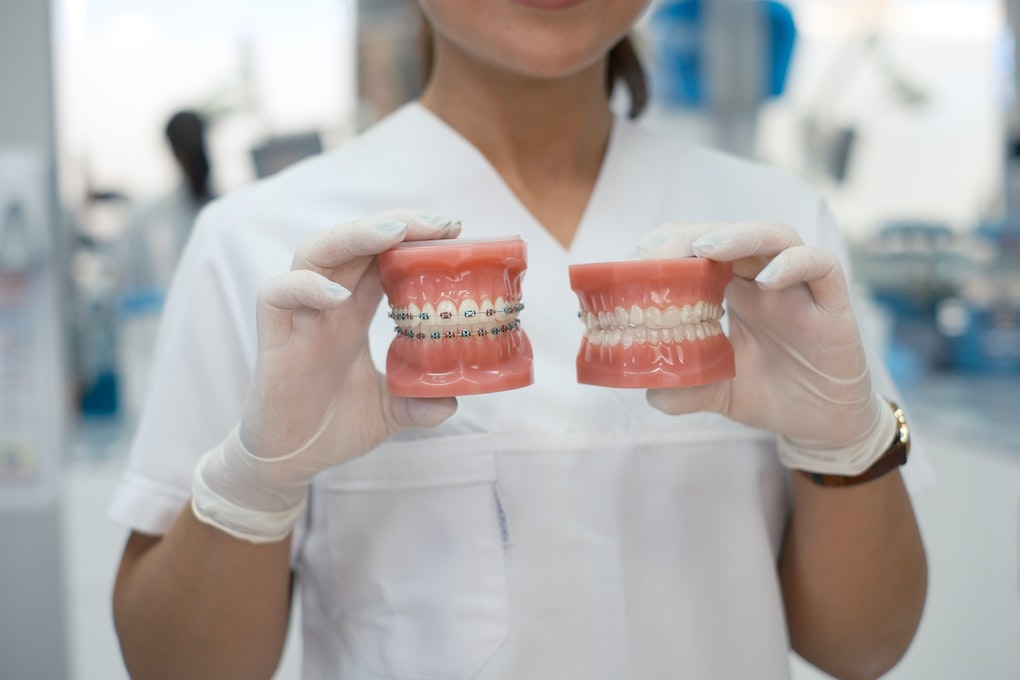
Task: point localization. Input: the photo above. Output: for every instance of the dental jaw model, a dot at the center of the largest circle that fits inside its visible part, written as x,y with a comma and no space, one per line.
653,323
455,307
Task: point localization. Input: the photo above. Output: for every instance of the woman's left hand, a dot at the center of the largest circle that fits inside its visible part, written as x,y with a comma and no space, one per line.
801,369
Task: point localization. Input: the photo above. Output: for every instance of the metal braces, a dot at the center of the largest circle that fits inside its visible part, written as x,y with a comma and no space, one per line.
451,334
401,314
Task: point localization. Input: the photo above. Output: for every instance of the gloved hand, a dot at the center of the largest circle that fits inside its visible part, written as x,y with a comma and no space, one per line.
315,399
801,369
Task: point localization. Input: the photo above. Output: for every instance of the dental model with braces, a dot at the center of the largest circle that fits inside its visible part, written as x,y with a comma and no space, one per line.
445,321
455,305
652,323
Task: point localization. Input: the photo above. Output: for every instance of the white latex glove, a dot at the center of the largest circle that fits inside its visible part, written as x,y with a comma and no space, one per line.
801,369
316,399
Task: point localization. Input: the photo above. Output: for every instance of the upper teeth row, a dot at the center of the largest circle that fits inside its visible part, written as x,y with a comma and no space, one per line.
643,335
447,313
651,317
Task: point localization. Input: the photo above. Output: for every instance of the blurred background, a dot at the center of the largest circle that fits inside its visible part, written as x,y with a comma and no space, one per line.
119,119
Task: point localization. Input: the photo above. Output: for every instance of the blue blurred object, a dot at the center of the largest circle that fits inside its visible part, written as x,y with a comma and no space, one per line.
904,266
1004,234
678,32
904,363
989,342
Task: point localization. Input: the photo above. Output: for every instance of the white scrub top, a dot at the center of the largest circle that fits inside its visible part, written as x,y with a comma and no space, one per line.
556,531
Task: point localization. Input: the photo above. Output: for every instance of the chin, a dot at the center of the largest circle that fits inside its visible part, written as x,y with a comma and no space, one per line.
540,39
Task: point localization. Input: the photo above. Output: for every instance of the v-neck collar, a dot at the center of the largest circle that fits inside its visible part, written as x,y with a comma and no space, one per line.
450,170
434,163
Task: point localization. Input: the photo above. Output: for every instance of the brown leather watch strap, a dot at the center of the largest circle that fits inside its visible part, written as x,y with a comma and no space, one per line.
894,456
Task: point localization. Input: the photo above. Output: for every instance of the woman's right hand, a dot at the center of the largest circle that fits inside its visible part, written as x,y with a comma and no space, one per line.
316,399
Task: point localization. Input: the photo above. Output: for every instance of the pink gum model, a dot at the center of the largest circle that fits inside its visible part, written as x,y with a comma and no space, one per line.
653,323
455,305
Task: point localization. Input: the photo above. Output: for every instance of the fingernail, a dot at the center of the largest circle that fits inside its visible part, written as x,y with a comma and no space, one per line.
452,229
336,291
706,244
436,219
654,399
767,276
390,227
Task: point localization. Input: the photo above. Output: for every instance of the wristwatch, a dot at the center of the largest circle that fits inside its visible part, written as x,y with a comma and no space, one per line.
894,456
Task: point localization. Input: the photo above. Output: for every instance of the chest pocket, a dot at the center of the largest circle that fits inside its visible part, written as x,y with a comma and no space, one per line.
415,543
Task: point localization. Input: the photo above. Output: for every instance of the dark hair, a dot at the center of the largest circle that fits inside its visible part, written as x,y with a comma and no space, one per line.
624,64
186,133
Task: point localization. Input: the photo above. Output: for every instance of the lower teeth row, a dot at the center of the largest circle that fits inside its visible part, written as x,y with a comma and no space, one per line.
462,332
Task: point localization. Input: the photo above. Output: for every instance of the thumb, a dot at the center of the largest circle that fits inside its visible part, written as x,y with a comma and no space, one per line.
681,400
415,412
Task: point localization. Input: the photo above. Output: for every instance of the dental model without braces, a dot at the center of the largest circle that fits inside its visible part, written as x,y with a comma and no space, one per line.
652,323
455,305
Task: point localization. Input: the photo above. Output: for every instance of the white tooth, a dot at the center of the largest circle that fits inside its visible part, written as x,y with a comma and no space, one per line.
654,336
614,336
689,332
428,314
485,307
671,318
628,337
653,317
676,334
700,330
687,314
591,322
636,316
413,311
640,334
622,317
501,309
446,309
604,320
467,311
595,337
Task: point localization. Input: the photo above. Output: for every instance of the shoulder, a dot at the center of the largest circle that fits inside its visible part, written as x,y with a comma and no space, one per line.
703,165
705,184
355,179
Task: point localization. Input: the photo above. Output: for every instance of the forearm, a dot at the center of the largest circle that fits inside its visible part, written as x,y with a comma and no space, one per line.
854,575
200,604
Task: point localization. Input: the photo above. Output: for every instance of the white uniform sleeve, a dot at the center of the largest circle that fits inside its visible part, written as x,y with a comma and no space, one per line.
198,381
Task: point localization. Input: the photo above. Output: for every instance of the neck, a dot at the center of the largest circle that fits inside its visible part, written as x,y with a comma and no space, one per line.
546,138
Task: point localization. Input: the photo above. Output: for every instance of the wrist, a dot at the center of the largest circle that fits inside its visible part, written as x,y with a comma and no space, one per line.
893,457
248,497
853,460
